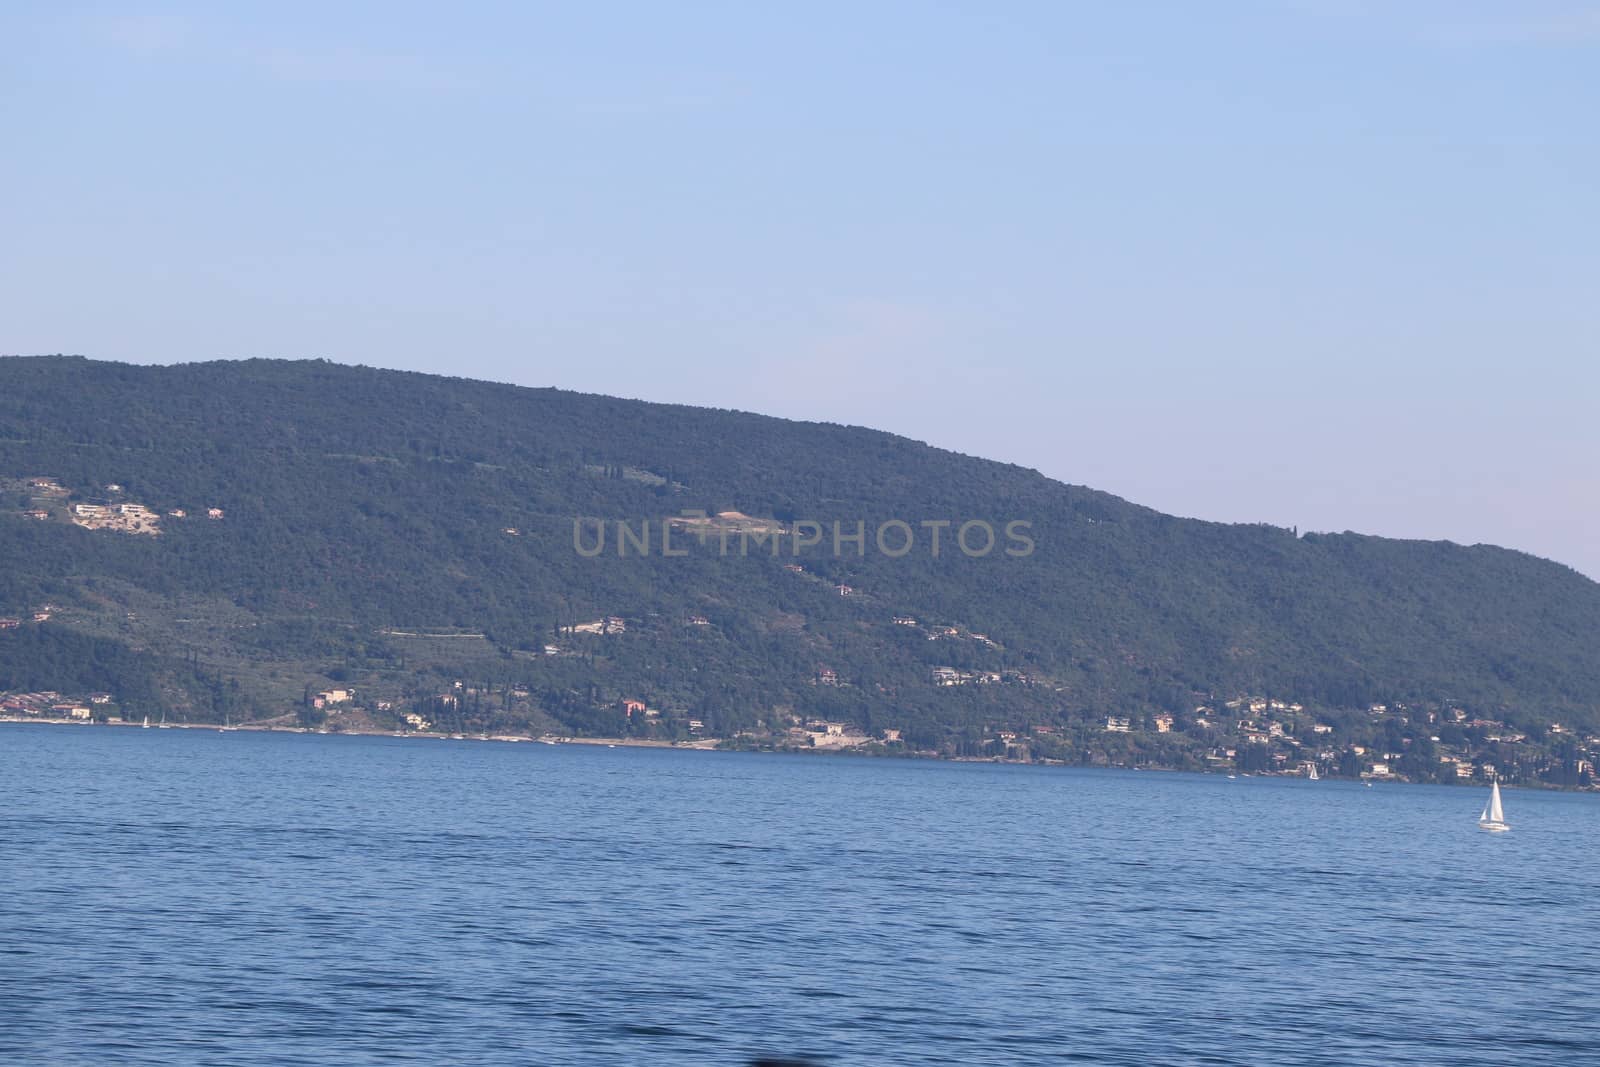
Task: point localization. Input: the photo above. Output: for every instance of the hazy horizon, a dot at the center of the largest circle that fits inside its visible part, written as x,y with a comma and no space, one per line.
1316,263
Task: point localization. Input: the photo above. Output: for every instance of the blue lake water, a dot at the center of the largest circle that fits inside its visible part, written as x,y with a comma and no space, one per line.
190,897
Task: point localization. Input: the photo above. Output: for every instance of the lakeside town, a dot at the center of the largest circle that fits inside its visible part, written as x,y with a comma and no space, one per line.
1253,735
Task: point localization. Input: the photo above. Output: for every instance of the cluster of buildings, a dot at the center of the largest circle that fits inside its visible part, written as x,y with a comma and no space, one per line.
949,676
1116,725
120,516
945,633
822,733
1389,741
123,518
49,704
610,624
44,613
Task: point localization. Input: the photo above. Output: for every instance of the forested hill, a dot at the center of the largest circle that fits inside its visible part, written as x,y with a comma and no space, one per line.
398,533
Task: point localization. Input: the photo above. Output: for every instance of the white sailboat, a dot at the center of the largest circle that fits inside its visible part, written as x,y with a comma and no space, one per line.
1311,772
1493,817
147,722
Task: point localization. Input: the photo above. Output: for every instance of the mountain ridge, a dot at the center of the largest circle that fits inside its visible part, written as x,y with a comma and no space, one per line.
374,499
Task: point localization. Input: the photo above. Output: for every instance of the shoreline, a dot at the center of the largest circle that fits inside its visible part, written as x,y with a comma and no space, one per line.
714,745
703,744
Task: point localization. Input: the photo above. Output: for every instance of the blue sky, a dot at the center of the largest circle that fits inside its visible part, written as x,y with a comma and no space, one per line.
1326,263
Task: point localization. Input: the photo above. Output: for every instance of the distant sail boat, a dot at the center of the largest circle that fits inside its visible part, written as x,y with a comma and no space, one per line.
147,722
1493,817
1311,772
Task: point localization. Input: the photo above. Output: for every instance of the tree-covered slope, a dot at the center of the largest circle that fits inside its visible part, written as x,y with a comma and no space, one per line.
364,506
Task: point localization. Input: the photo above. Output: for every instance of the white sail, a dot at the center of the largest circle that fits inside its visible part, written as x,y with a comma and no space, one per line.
1494,817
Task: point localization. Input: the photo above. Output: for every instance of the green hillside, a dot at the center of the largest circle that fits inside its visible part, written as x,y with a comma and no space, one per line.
366,540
